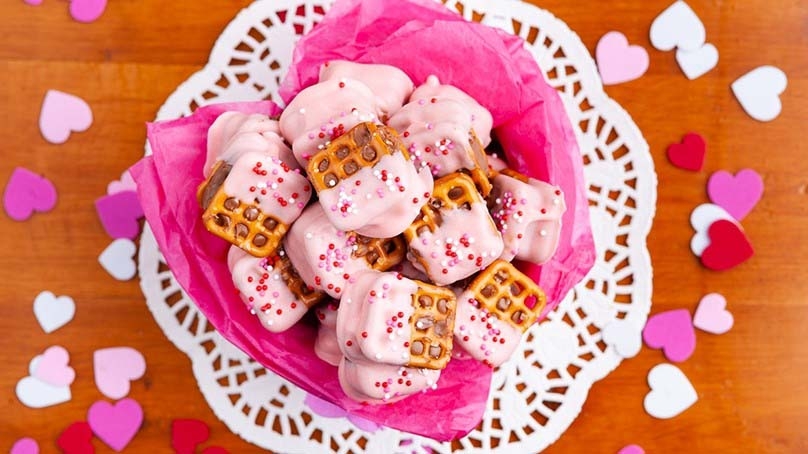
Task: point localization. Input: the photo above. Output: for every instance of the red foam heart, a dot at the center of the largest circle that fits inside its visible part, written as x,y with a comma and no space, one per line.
186,434
729,246
76,439
689,154
215,450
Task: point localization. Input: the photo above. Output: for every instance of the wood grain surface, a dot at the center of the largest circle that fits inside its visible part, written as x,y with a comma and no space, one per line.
751,382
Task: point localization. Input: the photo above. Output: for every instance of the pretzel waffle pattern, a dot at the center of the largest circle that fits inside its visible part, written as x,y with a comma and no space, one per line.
380,253
240,223
304,293
454,191
362,146
479,174
431,326
515,175
505,292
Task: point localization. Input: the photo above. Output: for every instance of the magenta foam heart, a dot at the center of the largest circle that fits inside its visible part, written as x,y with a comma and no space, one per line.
617,61
87,11
712,315
115,424
53,367
673,332
26,193
115,368
119,214
738,194
61,114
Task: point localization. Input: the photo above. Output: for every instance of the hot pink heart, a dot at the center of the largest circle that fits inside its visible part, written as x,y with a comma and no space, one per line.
53,368
617,61
119,214
712,315
673,332
87,10
631,449
114,369
116,425
27,192
737,194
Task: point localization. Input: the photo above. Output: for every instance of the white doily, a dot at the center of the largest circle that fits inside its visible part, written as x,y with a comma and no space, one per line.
535,396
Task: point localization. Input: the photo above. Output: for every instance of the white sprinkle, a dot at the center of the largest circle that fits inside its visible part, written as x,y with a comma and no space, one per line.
378,356
309,236
302,111
543,232
556,201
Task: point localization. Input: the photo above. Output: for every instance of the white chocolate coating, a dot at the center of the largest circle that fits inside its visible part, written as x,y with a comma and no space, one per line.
235,133
326,346
482,335
481,118
376,383
390,85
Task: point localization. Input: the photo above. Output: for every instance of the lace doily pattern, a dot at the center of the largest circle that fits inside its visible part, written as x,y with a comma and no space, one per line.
535,396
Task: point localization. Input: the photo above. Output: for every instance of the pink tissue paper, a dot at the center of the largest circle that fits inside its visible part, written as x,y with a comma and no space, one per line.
530,123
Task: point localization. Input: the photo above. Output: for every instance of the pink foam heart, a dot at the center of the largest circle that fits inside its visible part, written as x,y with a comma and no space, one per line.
116,425
26,193
617,61
329,410
737,194
25,446
87,11
61,114
673,332
119,214
33,2
712,315
115,367
126,183
53,367
631,449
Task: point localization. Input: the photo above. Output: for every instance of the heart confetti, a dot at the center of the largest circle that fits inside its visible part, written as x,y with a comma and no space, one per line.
34,3
87,11
25,446
712,315
671,392
76,439
119,214
187,434
118,260
696,63
26,193
126,183
672,331
215,450
759,92
624,336
52,367
53,312
116,425
617,61
63,113
728,248
701,219
678,27
688,155
35,393
631,449
329,410
737,194
114,369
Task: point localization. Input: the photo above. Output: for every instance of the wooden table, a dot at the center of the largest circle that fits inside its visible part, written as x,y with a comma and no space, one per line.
751,381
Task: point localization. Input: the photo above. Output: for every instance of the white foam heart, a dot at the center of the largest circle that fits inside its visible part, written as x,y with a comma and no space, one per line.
701,219
35,393
118,259
678,26
759,91
53,313
696,63
671,392
624,336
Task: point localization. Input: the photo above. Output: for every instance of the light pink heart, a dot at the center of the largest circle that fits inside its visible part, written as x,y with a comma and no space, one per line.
53,368
61,114
25,446
712,315
737,194
126,183
87,11
33,3
617,61
116,425
115,368
631,449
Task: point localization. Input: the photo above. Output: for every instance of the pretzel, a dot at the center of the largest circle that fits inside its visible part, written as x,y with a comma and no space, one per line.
362,146
454,191
380,253
504,292
479,174
515,175
242,224
431,326
304,293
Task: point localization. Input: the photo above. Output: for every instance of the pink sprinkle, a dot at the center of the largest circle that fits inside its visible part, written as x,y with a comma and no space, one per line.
311,135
